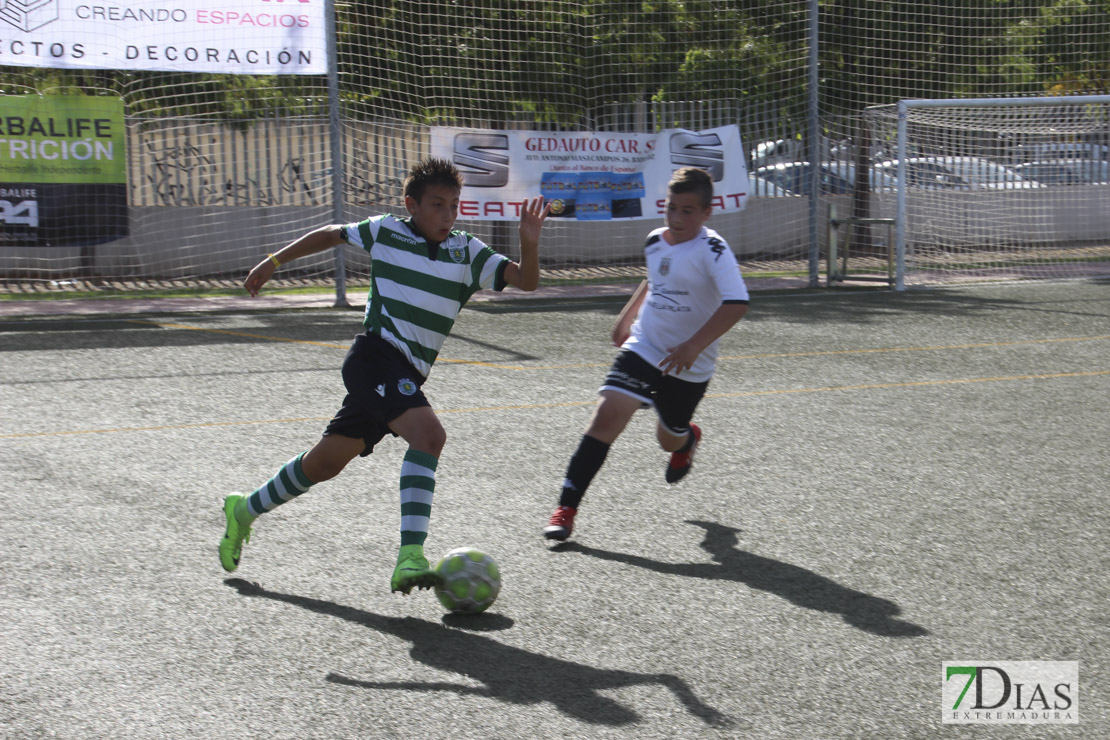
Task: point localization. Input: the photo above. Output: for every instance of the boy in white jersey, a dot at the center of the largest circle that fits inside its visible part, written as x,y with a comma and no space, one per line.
668,334
422,273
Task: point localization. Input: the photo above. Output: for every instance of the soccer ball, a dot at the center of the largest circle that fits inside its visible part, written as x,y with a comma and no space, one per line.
471,580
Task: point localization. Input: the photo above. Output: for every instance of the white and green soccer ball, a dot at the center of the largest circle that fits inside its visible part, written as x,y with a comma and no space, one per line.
471,580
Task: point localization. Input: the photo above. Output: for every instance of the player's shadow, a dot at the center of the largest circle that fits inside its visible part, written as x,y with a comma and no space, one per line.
793,583
509,674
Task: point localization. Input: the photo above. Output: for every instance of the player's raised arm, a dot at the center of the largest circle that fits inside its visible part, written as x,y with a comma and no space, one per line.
525,275
319,240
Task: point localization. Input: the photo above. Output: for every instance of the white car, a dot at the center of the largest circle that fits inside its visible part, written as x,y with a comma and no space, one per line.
760,188
1061,150
776,151
1065,171
957,173
837,178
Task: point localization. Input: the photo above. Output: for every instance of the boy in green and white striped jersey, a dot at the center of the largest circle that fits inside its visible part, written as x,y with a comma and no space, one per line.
422,273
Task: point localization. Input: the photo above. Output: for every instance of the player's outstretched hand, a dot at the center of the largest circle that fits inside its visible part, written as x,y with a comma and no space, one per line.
532,215
679,358
259,276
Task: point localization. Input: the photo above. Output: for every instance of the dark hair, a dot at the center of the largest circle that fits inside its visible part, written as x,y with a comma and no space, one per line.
431,171
693,180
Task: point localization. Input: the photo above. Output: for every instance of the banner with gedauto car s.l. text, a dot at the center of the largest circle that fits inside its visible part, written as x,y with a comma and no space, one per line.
258,37
588,175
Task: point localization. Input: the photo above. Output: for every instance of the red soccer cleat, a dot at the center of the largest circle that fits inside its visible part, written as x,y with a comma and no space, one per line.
561,523
681,462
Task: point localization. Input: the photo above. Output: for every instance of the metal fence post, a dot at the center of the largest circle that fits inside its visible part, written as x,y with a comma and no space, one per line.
335,137
813,147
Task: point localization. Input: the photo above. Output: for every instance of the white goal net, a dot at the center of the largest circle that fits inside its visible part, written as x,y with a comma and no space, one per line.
987,189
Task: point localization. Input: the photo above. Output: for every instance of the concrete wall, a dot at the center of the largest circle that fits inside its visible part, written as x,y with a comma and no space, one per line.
1051,215
207,241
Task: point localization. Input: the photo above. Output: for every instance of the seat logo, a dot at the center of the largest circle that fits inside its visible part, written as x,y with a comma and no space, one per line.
699,150
479,159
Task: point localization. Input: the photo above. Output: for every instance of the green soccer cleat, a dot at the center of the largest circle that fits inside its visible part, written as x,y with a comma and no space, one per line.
231,546
412,570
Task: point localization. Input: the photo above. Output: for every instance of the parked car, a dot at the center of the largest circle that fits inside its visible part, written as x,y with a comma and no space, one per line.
878,179
837,178
1069,150
760,188
776,151
1065,171
957,173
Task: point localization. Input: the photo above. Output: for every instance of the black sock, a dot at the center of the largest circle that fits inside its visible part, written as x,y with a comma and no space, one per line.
584,464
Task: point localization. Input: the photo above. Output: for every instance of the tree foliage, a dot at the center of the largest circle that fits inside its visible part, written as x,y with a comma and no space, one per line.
497,62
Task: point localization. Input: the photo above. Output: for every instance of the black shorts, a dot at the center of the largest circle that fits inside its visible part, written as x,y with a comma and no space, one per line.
674,399
381,385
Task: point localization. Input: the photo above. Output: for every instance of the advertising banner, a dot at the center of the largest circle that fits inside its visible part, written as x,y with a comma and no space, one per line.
230,36
63,170
587,175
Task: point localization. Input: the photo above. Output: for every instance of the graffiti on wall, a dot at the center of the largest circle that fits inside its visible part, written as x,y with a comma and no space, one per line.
262,167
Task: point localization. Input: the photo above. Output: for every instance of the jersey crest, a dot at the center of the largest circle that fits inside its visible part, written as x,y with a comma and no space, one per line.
665,266
458,254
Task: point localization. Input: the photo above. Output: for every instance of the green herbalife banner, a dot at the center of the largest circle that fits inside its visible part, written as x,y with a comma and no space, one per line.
63,174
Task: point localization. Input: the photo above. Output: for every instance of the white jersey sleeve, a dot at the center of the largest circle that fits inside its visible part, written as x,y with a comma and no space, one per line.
725,270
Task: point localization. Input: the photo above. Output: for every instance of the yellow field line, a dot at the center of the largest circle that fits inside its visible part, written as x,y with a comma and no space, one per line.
981,345
237,333
825,353
909,384
200,425
567,404
248,335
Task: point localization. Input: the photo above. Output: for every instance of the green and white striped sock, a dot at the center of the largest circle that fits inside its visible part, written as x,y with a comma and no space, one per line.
289,483
418,484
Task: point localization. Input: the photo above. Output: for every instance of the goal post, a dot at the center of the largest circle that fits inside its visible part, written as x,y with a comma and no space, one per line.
996,188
